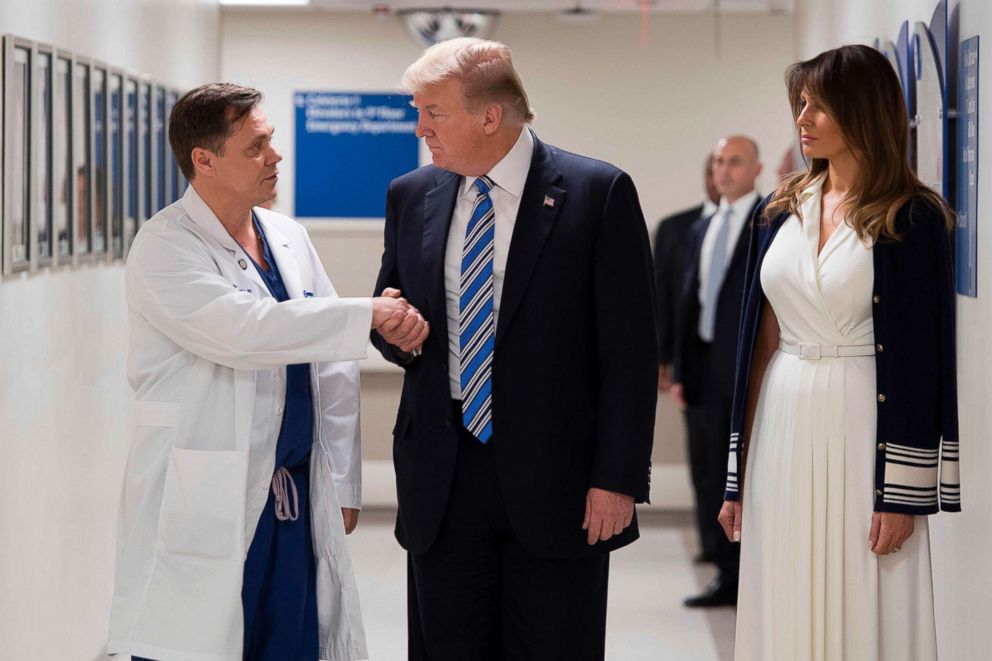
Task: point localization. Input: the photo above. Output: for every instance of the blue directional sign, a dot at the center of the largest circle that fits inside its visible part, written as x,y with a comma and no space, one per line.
967,172
349,146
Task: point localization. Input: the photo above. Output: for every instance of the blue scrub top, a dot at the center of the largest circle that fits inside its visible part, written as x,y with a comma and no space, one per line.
279,591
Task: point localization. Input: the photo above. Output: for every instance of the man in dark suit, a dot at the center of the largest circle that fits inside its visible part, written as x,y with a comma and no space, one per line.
706,346
523,437
671,242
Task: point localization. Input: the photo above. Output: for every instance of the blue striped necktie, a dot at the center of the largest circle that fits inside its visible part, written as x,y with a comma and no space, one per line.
476,322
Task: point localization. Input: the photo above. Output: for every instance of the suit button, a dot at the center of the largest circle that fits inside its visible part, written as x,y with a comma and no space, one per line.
881,446
876,298
447,424
878,492
881,398
879,348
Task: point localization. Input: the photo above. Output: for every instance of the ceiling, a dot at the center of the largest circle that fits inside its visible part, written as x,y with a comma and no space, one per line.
655,6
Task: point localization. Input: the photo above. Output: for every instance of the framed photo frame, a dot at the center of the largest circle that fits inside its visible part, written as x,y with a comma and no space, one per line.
18,143
99,159
929,121
62,182
115,161
181,181
42,183
146,138
132,160
170,169
161,147
81,155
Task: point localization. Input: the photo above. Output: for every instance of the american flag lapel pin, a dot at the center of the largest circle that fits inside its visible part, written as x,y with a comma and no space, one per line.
549,201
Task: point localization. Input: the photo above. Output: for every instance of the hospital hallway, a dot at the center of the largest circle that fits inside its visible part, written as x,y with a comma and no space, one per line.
648,580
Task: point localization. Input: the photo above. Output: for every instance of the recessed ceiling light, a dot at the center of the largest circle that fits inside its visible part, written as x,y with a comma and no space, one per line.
266,3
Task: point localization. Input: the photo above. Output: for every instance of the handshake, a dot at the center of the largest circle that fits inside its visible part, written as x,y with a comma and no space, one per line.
398,322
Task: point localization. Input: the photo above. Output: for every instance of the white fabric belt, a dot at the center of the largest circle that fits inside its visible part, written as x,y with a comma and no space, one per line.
817,351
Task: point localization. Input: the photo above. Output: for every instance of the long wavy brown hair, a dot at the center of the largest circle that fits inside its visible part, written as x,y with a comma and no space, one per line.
858,88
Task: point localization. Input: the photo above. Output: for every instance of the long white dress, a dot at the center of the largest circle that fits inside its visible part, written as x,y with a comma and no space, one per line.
809,587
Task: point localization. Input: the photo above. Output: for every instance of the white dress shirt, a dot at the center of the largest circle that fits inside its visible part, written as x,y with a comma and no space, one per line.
709,208
509,177
740,210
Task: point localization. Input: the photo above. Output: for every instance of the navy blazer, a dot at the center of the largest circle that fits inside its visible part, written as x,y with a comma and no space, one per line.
574,367
718,379
913,313
671,252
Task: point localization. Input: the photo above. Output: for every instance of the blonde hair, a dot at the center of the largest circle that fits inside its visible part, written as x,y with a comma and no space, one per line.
485,69
859,90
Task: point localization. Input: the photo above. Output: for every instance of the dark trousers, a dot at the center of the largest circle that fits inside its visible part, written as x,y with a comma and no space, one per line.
695,428
478,595
709,450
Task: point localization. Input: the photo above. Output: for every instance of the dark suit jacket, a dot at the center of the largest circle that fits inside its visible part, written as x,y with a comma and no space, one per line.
574,369
671,241
716,377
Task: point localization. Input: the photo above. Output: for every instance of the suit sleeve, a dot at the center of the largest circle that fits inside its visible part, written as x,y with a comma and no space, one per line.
626,345
666,295
389,277
687,302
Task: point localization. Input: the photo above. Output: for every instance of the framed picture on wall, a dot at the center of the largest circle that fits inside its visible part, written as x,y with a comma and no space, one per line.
132,160
171,180
115,161
42,214
161,147
146,133
100,166
181,181
18,59
62,182
81,172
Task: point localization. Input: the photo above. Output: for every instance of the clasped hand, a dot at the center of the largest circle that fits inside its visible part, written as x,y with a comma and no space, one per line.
398,322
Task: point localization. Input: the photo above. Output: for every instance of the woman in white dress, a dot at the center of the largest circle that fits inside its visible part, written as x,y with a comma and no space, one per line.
845,413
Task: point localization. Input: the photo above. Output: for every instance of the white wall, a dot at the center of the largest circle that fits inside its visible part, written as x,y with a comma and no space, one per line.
655,111
961,542
63,394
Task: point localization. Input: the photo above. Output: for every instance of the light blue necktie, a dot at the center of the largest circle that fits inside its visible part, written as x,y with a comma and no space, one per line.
718,268
476,321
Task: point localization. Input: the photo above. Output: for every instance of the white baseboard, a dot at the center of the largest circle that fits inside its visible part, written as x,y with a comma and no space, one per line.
670,489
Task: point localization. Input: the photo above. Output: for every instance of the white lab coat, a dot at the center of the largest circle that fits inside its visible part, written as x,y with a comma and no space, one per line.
208,350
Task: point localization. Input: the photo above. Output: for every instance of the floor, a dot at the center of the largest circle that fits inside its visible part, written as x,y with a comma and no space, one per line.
646,619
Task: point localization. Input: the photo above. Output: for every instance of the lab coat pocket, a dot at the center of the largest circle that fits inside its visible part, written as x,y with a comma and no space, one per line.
203,505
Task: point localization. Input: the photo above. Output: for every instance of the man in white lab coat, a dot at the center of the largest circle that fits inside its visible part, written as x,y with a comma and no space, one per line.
244,472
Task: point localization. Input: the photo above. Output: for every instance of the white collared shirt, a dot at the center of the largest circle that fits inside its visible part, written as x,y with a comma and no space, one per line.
509,177
739,213
709,208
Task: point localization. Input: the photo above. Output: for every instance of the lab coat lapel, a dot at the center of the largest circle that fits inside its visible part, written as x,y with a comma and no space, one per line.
439,205
282,251
208,223
540,204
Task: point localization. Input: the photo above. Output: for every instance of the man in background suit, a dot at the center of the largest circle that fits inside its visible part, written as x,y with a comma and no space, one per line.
670,256
671,241
706,345
523,437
